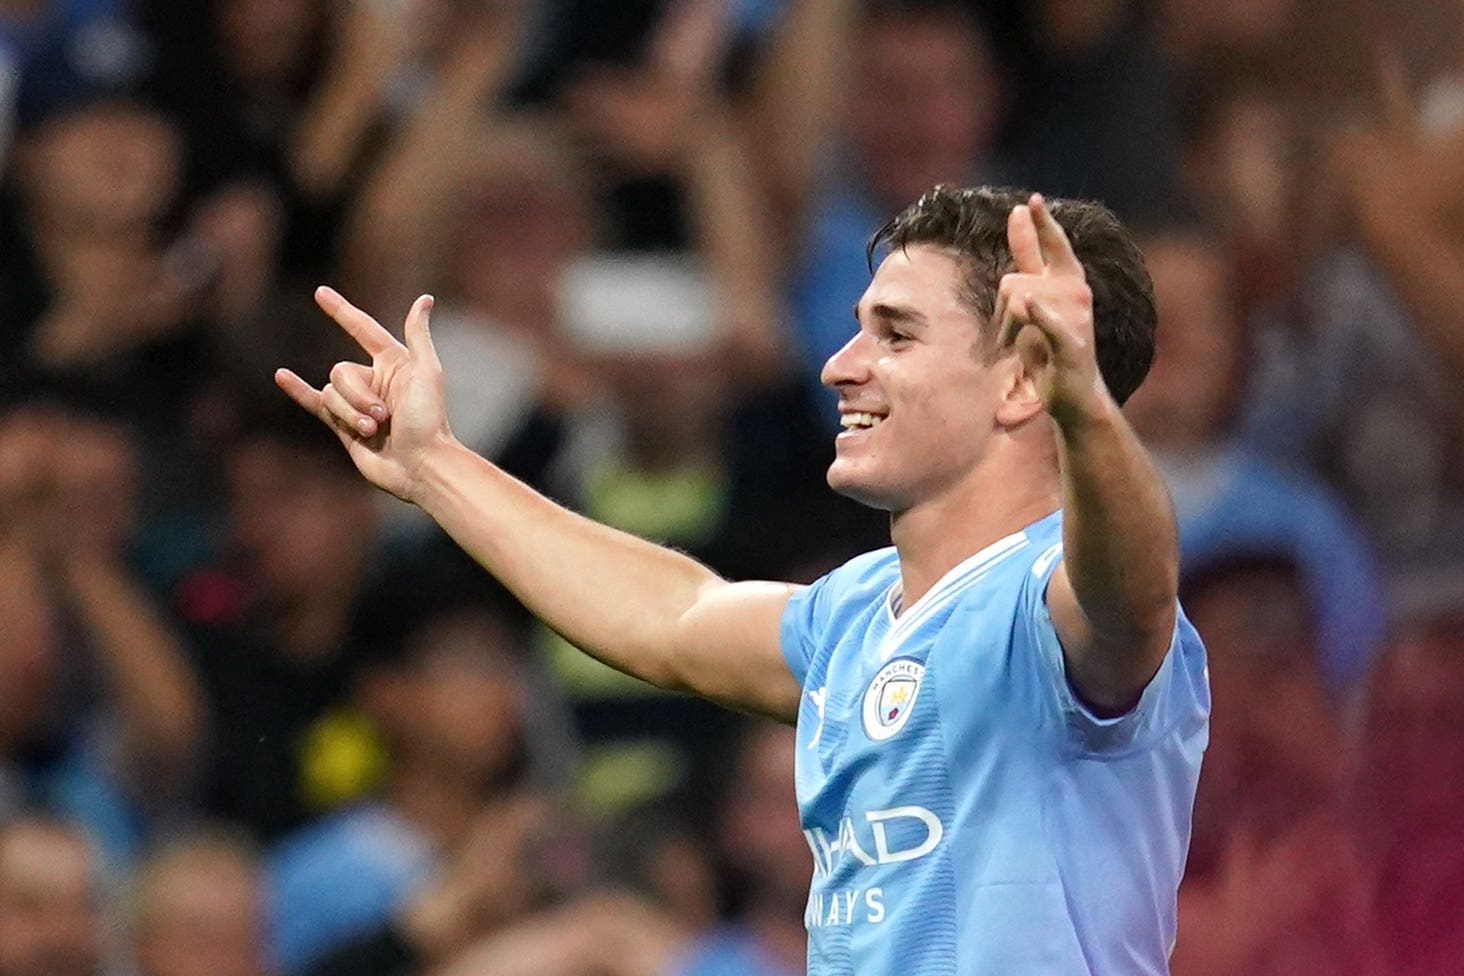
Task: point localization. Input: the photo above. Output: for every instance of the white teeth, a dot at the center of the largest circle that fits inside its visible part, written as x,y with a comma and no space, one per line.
852,420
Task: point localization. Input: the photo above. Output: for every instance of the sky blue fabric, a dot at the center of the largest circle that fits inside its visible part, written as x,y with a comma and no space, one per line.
968,815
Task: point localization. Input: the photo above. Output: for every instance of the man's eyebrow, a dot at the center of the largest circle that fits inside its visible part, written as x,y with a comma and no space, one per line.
902,314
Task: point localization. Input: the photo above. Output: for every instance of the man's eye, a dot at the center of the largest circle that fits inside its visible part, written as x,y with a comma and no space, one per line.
898,336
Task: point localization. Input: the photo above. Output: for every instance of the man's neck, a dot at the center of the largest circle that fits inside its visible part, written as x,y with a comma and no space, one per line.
934,537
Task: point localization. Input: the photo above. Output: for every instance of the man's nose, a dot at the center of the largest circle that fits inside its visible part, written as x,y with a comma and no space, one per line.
848,366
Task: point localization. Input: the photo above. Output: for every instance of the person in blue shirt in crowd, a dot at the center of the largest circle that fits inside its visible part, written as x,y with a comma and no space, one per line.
1231,499
1000,719
444,688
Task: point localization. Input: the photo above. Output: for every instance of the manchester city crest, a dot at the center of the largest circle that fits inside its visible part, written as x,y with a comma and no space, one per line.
890,697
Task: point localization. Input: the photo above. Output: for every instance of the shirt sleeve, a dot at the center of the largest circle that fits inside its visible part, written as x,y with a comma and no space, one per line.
1164,703
804,620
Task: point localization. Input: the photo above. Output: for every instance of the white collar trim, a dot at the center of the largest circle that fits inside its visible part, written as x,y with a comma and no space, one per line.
946,589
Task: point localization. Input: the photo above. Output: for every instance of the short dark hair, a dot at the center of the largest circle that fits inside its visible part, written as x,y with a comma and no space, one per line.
972,222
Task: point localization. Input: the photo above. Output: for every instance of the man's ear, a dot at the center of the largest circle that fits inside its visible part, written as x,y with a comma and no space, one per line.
1019,365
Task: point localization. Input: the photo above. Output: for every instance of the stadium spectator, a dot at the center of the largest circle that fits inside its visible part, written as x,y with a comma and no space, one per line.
197,905
667,927
102,716
97,182
180,172
269,630
52,907
865,106
1414,764
507,899
663,852
763,847
443,691
761,851
1227,498
1094,112
1276,881
1343,381
1409,785
238,77
514,210
64,52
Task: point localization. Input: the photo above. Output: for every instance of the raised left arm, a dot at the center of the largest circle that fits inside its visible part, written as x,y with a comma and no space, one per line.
1112,600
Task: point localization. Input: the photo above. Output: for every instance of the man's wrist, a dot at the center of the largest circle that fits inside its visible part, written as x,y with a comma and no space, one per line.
435,471
1095,408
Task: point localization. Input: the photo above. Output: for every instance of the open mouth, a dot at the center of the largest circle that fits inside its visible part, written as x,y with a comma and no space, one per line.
855,420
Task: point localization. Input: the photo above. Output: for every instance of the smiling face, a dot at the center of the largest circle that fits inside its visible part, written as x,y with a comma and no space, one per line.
917,396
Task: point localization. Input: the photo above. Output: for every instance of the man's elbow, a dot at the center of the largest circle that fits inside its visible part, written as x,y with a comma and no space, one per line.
1120,663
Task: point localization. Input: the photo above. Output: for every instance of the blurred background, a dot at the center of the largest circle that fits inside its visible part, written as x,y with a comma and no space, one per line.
258,720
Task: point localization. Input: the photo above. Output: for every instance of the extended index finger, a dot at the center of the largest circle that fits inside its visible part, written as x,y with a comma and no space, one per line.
1057,250
367,332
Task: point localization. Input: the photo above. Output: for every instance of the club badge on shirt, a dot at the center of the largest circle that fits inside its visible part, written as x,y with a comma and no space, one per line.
890,697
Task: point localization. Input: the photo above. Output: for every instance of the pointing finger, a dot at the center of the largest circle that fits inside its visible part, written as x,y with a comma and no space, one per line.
367,332
1022,239
298,390
1057,250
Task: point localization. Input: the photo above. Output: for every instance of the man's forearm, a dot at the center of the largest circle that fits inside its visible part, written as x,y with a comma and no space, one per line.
1119,539
799,83
610,593
644,609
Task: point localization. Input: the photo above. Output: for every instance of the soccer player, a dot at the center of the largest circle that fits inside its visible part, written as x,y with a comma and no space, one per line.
1000,718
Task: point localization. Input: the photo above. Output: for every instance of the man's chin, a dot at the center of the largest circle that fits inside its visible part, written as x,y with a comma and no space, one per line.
850,485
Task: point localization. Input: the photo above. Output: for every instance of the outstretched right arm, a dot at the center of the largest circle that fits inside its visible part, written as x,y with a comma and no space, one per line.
641,608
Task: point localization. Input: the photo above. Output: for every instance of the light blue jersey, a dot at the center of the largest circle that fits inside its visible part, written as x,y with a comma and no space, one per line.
967,814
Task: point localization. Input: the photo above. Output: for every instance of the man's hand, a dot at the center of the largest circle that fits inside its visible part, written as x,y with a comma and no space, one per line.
1045,310
387,414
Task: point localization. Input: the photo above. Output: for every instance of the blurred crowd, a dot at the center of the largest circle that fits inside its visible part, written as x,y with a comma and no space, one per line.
258,720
